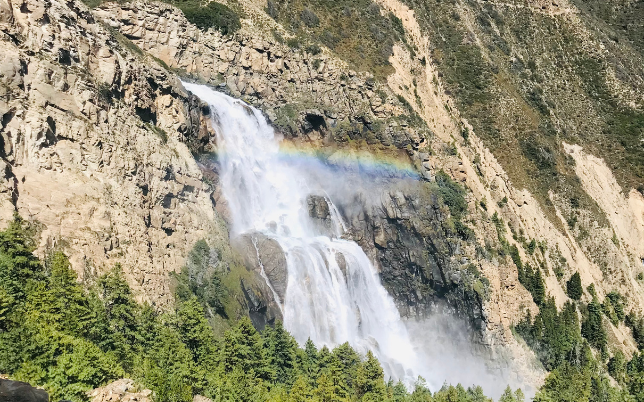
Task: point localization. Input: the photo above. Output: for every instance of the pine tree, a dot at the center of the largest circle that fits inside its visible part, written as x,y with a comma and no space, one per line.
18,266
282,351
324,358
592,328
421,392
573,287
195,331
396,392
617,367
370,384
508,396
243,348
347,361
168,368
539,288
309,363
120,310
71,303
300,391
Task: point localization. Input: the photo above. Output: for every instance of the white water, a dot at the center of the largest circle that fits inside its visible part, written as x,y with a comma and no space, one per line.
321,302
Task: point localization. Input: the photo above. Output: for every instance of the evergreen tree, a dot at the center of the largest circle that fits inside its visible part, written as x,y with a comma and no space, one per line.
168,368
70,302
617,367
327,389
396,392
300,391
421,393
573,287
243,348
566,383
282,351
509,396
539,288
120,310
309,361
195,331
592,328
616,301
346,361
370,384
18,266
324,358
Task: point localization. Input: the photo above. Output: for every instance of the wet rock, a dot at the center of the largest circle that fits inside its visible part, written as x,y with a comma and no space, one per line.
262,251
318,207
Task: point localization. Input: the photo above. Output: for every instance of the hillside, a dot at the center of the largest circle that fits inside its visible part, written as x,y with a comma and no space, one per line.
520,124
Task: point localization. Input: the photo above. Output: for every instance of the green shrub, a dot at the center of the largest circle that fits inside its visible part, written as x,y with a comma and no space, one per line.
354,29
309,18
213,15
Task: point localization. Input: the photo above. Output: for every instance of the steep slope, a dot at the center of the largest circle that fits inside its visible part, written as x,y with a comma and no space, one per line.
485,104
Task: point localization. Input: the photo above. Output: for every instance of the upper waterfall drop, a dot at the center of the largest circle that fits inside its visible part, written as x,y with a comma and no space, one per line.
333,293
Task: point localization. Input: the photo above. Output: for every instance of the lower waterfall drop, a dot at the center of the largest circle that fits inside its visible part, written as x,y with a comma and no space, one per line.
333,292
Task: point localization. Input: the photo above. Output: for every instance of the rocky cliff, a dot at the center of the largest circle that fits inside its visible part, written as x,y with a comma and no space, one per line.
96,146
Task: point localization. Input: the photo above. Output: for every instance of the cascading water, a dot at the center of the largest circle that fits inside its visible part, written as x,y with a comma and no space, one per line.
333,294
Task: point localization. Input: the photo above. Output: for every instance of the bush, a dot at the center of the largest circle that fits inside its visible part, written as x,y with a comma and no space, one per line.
309,18
213,15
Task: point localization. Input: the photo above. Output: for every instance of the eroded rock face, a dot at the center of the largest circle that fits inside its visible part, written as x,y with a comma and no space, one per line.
420,261
96,146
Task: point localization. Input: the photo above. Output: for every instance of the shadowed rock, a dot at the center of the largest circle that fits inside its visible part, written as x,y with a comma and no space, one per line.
17,391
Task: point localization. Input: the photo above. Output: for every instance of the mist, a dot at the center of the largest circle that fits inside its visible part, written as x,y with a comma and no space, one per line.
456,354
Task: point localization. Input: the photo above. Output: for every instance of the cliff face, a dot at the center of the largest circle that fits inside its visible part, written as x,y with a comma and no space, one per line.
94,147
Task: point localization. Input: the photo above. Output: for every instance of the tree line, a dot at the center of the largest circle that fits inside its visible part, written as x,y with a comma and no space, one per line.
70,338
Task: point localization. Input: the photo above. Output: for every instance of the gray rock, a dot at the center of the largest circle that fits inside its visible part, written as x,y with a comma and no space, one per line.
17,391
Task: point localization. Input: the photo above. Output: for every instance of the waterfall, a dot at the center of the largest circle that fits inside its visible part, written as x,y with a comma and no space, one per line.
333,293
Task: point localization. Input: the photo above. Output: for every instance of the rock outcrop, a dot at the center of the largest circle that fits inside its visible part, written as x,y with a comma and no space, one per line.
263,256
281,81
123,390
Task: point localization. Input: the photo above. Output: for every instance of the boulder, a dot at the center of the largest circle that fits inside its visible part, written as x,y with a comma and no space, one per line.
18,391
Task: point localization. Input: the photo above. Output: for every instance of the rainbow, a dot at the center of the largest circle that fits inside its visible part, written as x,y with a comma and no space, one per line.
374,164
368,163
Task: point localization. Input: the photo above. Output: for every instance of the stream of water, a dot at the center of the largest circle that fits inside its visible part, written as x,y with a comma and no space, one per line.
333,294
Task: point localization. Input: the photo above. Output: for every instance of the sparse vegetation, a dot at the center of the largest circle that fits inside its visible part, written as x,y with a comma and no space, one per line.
356,31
